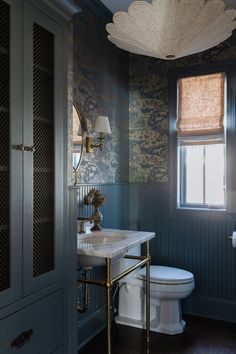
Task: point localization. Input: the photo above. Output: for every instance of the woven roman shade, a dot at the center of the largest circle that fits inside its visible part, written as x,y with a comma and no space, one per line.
201,109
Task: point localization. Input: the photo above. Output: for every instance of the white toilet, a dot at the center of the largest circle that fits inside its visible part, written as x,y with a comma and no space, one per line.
168,286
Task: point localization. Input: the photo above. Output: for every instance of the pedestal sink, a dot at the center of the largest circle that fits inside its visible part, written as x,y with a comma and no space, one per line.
103,248
94,247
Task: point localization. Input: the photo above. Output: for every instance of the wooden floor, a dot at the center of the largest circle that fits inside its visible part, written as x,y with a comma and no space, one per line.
202,336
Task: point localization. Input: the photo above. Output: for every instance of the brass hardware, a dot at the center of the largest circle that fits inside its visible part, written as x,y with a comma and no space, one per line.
135,257
90,145
22,339
81,227
29,148
82,222
129,270
96,198
19,147
109,282
96,218
118,277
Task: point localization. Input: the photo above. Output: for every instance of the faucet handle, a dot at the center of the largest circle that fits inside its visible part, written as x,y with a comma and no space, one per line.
82,222
81,227
83,218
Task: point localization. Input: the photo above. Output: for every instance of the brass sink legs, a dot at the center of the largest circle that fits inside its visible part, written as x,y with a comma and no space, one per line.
108,298
109,282
148,256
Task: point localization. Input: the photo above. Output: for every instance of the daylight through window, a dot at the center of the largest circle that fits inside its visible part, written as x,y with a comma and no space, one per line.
201,141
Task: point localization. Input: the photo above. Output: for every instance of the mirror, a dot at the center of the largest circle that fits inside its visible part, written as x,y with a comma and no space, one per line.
77,138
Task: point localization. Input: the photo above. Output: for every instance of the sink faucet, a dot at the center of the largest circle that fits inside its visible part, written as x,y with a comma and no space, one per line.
82,222
96,198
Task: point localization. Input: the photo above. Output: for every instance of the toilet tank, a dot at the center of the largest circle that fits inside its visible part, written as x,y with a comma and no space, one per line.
122,264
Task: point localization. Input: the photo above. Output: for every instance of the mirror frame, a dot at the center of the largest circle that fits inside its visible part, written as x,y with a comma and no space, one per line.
83,131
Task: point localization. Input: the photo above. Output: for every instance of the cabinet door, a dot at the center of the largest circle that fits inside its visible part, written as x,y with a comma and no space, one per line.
43,167
10,157
36,327
58,351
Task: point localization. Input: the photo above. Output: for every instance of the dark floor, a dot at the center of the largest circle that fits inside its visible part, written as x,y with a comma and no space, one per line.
202,336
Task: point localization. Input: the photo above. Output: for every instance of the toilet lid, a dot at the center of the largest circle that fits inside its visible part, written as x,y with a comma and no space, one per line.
167,275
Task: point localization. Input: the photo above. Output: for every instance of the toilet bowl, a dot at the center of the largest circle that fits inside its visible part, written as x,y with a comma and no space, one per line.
167,287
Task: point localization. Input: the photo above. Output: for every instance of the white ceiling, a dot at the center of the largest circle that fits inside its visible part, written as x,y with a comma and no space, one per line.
122,5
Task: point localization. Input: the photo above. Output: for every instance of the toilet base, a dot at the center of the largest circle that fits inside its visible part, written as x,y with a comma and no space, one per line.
130,322
170,317
170,329
154,326
166,317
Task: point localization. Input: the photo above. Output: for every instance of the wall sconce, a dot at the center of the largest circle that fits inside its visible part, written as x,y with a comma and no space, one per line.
102,127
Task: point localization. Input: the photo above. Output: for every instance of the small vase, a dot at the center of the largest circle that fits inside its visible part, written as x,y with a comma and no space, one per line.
96,217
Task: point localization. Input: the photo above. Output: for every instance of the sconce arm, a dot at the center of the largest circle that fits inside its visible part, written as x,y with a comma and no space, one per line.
90,145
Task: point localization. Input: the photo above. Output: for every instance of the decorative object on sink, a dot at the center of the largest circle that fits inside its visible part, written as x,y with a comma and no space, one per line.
95,198
102,126
171,29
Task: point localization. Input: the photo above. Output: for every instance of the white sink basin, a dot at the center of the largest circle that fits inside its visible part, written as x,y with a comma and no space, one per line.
93,248
98,241
102,239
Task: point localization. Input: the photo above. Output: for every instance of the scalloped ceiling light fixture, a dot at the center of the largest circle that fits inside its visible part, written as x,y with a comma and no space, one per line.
171,29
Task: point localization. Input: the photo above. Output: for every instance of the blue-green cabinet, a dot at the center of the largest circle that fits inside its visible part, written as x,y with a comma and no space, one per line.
11,159
32,75
42,168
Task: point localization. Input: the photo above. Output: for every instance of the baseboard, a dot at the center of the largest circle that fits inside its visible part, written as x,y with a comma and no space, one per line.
88,329
211,308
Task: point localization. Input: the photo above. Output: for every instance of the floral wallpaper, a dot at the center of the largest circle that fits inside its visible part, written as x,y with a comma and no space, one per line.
100,87
148,109
132,91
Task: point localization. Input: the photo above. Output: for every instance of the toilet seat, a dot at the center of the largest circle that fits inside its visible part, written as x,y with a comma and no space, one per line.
167,275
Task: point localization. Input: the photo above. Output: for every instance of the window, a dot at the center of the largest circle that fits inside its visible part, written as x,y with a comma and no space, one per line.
201,151
201,176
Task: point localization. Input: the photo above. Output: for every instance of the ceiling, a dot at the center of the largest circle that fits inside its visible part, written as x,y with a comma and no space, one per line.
122,5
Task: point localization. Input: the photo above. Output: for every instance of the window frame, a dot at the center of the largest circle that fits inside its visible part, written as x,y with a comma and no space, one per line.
182,185
229,68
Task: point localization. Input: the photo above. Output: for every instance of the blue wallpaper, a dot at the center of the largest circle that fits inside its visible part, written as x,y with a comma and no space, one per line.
101,88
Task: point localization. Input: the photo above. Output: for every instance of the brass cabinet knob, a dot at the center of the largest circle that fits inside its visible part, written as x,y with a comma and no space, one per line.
22,339
19,147
29,148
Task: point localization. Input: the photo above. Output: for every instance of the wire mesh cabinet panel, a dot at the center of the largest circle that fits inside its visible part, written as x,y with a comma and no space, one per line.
43,157
32,85
10,152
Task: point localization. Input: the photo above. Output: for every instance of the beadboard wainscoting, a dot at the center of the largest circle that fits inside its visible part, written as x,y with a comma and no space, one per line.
94,320
190,240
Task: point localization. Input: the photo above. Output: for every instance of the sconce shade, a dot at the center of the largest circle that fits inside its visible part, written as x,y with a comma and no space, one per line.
102,125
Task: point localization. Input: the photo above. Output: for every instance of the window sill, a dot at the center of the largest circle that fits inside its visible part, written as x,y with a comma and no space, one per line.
202,213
